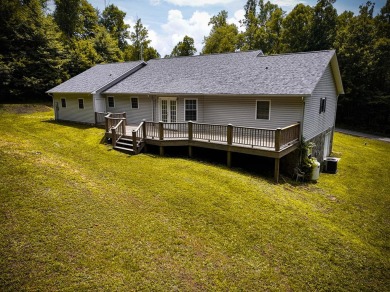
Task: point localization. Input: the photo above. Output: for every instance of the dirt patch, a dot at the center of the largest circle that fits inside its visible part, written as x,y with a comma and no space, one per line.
24,108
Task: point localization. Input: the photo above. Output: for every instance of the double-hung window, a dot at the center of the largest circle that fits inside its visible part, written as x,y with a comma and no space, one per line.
263,108
81,103
134,102
111,101
190,109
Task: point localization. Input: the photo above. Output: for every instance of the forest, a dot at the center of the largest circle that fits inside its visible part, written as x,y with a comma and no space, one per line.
42,47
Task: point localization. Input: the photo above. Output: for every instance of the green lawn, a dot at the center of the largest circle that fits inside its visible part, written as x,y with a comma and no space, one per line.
75,215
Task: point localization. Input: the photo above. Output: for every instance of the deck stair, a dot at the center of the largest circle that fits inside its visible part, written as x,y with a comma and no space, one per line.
125,144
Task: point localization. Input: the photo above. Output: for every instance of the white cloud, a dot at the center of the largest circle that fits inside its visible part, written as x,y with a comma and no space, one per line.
238,15
198,3
288,3
176,27
154,2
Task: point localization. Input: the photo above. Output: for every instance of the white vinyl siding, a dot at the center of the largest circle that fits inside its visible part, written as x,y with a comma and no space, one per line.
72,112
134,116
241,111
316,123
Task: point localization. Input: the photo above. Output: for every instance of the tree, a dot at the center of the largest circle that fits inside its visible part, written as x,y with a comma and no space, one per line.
223,36
106,47
112,19
323,30
88,22
139,48
297,29
184,48
66,15
31,56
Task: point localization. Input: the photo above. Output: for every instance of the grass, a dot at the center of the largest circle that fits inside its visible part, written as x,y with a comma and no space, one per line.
75,215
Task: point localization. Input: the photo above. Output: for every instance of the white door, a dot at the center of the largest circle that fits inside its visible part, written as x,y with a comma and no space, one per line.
168,110
100,104
327,145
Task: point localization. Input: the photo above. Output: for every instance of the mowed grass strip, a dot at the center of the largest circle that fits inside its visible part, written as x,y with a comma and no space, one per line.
76,215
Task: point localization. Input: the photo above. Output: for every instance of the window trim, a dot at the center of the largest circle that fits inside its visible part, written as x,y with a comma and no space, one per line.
196,113
131,102
78,100
269,109
108,101
63,102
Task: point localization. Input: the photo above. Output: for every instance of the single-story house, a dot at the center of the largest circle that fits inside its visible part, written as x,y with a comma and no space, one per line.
246,90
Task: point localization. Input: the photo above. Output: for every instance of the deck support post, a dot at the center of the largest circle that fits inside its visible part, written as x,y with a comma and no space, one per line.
276,172
161,150
134,137
113,137
229,159
190,151
124,116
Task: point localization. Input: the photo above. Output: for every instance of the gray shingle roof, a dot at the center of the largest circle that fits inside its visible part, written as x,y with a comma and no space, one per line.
95,78
233,73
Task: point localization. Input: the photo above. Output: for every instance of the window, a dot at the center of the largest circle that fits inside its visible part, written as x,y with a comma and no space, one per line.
81,103
263,109
190,109
111,102
134,102
63,102
322,105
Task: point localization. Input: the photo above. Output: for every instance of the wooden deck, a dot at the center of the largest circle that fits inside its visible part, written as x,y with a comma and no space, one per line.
274,143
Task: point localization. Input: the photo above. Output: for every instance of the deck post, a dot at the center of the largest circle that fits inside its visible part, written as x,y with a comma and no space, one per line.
229,134
124,126
190,133
106,120
144,134
161,130
190,130
124,115
276,172
134,138
161,150
96,117
277,138
229,159
144,129
113,137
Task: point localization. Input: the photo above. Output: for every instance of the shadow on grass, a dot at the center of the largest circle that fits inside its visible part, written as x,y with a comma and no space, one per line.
75,125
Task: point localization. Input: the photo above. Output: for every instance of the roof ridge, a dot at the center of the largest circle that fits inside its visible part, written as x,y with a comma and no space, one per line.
298,53
207,55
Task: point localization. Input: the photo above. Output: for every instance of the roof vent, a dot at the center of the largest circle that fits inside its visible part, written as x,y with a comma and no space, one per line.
260,54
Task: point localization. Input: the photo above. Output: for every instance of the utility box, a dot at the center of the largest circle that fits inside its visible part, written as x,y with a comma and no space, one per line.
331,164
315,173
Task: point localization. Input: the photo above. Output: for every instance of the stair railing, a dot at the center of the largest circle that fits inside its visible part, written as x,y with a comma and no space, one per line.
118,131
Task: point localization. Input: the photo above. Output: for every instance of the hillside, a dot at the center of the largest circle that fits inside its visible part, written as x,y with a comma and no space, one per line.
75,215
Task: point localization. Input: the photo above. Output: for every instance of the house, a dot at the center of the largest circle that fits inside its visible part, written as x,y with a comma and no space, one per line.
287,97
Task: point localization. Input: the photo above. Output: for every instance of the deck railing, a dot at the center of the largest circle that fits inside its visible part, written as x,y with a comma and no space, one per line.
100,118
273,139
113,119
118,131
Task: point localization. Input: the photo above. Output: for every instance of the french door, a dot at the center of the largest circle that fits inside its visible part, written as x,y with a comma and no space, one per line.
168,109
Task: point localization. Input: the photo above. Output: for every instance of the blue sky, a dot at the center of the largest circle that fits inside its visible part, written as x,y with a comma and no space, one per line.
168,21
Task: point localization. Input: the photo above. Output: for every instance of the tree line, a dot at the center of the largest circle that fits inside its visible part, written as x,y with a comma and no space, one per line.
40,49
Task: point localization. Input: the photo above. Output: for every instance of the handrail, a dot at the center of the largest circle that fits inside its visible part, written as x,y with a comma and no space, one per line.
118,131
276,139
